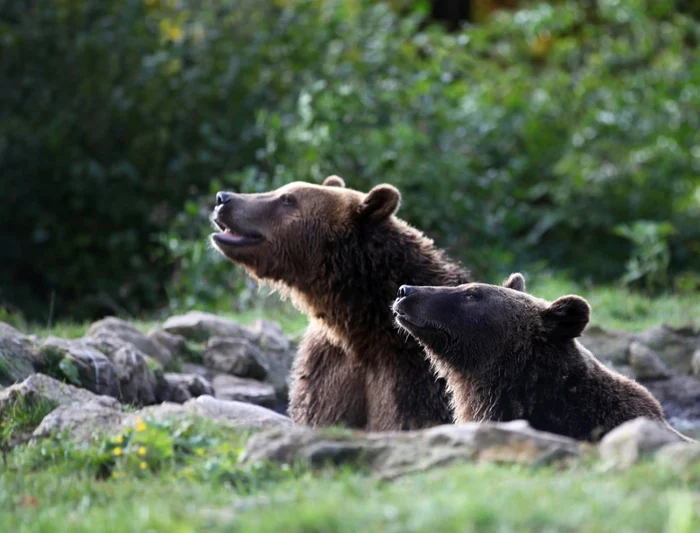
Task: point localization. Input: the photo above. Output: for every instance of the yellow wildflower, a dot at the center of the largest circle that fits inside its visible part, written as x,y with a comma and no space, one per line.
143,465
119,439
117,451
140,425
115,474
141,451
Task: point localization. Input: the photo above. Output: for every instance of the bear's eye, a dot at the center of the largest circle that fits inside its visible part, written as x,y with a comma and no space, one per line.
288,200
471,295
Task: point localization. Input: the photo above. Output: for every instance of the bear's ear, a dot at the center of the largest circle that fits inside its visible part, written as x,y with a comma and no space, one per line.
333,181
380,203
566,317
516,282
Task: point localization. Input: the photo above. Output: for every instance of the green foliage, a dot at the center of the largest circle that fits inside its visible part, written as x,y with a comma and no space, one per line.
60,490
529,137
651,255
20,417
192,450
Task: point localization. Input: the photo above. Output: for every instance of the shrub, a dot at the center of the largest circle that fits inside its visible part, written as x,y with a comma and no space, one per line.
530,137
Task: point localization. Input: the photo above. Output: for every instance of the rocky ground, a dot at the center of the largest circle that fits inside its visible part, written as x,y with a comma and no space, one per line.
201,365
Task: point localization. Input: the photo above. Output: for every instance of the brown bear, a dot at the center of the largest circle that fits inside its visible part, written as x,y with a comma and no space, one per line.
507,355
341,255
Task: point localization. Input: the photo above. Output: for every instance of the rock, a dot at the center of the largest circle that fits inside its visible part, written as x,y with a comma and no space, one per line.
244,390
607,344
679,397
270,336
695,363
679,455
95,372
238,357
199,326
175,344
646,363
199,370
391,454
240,414
82,423
232,413
183,387
17,355
675,347
137,382
127,333
633,440
39,387
85,420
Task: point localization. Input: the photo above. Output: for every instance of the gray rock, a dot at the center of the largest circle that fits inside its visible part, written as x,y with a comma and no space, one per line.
95,372
17,355
633,440
82,423
646,364
695,363
199,326
238,357
199,370
679,455
137,382
233,414
391,454
183,387
675,346
229,387
39,387
85,420
127,333
679,397
175,344
244,415
607,344
271,337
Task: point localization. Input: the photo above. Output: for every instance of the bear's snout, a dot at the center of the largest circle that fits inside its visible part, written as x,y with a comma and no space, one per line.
405,290
222,198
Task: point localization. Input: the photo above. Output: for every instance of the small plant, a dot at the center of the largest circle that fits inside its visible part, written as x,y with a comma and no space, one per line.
651,254
21,417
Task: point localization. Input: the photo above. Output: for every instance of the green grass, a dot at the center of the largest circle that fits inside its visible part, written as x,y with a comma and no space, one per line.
292,322
55,487
620,308
20,418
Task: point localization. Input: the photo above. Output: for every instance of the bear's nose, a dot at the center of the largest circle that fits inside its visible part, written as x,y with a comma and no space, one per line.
222,198
405,290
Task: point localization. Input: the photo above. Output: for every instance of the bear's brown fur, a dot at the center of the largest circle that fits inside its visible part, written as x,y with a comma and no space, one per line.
341,256
507,355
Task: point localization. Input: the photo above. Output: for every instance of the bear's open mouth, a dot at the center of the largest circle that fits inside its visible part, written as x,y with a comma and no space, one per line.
406,321
229,237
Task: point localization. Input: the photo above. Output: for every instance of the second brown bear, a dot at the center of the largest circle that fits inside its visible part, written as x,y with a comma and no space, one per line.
507,355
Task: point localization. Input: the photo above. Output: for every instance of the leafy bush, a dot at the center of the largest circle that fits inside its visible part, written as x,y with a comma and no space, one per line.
530,137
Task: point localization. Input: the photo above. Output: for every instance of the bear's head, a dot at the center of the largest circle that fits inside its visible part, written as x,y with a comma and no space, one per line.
479,326
286,235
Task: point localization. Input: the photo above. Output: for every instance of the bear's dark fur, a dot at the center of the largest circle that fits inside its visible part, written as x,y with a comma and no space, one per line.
507,355
341,255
